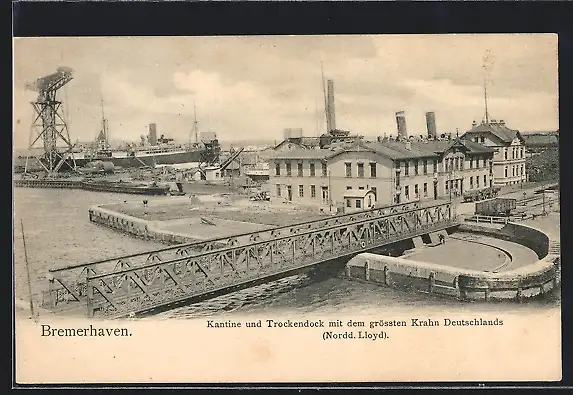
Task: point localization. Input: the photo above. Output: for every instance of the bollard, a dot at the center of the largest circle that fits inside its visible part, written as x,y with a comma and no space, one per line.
386,277
519,295
367,271
486,293
432,282
348,273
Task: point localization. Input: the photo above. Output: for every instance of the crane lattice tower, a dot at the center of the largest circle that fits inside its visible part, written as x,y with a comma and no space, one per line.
49,127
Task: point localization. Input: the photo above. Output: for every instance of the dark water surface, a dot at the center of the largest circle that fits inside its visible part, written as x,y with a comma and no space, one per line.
58,232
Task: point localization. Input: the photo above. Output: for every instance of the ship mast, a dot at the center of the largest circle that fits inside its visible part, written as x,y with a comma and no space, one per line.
104,124
485,68
195,123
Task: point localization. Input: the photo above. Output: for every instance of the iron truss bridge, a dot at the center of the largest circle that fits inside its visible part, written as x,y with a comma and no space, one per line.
169,276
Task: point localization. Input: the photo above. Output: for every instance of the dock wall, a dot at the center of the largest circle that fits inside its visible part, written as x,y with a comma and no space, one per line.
528,281
137,227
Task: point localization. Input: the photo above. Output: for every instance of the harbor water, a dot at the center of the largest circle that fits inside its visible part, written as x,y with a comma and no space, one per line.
58,232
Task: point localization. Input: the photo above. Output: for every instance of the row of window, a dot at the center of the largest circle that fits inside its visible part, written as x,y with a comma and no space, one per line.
450,164
416,191
515,170
516,152
300,190
299,169
477,181
360,172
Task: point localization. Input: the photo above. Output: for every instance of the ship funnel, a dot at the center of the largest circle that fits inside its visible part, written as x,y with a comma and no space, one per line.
152,134
401,124
431,124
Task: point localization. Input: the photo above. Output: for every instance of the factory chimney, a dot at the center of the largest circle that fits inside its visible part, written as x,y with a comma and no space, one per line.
401,124
431,124
330,117
152,134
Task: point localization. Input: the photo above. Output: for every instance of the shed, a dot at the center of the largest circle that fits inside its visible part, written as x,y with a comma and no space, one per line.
358,199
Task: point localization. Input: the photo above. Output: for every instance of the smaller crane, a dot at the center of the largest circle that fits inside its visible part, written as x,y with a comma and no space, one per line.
49,125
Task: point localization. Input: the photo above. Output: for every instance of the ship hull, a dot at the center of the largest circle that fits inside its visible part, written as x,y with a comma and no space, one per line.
146,160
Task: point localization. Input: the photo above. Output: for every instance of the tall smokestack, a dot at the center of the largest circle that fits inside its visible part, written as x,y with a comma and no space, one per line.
431,124
401,124
330,117
152,134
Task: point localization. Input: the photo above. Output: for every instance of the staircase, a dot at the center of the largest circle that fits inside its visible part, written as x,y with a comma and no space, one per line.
554,247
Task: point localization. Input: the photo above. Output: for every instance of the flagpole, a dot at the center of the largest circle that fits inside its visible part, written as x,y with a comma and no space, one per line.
27,269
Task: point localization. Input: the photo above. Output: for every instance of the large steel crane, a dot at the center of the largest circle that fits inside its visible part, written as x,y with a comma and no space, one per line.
49,126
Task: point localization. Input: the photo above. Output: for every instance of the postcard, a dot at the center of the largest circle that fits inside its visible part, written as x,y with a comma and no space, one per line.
274,209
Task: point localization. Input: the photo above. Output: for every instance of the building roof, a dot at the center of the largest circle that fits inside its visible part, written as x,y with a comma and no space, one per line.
302,154
303,142
395,150
498,129
424,149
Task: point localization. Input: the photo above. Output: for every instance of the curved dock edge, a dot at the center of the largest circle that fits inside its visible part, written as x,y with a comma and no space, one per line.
528,281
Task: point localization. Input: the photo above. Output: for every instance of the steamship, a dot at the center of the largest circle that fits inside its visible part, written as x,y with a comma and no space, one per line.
161,151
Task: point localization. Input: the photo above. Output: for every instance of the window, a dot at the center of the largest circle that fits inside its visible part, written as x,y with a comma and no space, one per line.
288,169
416,192
505,154
301,191
278,190
313,191
447,183
312,170
360,170
505,170
278,169
457,163
477,181
407,191
324,169
425,189
484,180
348,187
476,139
299,166
374,190
348,203
522,152
521,170
462,159
361,188
513,171
471,182
483,139
372,170
416,167
471,163
435,165
406,168
348,170
358,203
425,166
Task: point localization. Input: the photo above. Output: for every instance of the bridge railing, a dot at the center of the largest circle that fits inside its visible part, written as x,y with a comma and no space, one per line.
69,283
137,289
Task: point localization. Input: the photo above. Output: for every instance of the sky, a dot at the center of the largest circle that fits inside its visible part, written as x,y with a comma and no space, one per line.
253,87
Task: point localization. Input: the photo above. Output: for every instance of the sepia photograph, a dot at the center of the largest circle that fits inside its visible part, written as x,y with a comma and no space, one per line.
357,208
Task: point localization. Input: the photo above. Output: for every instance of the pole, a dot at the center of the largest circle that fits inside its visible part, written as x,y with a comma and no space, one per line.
544,202
329,192
27,269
